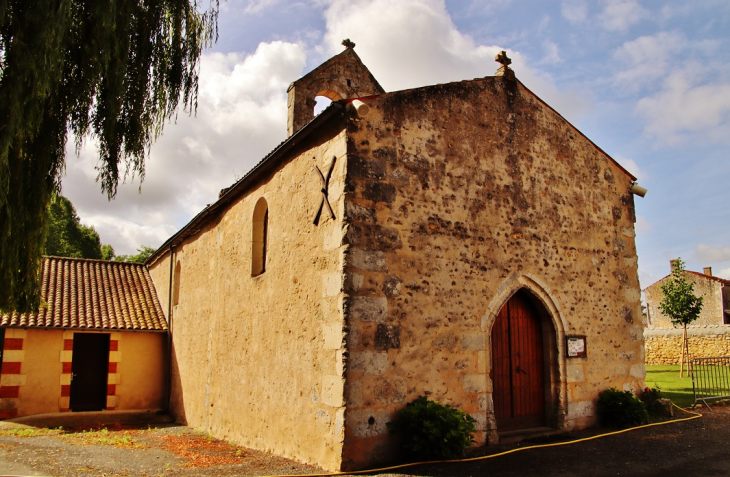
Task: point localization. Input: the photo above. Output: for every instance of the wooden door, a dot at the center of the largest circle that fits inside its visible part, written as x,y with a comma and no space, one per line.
89,368
517,366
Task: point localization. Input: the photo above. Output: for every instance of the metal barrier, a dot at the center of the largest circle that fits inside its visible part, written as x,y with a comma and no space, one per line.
710,379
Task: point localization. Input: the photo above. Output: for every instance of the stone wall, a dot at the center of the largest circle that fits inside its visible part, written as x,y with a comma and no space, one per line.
459,195
664,346
258,360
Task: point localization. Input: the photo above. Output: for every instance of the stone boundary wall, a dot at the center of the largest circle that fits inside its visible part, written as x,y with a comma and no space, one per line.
663,345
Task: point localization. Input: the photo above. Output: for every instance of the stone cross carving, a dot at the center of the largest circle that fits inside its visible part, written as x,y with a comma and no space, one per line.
502,59
325,198
347,43
504,70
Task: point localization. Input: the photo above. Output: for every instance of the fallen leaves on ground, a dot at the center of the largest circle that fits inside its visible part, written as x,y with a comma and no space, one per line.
203,451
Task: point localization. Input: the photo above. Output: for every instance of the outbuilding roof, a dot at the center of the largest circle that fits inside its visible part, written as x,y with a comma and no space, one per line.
83,294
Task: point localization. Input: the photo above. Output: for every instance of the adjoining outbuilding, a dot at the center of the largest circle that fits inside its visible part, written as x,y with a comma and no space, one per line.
461,241
98,342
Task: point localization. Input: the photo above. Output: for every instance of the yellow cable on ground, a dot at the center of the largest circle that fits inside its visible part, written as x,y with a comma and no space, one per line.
695,415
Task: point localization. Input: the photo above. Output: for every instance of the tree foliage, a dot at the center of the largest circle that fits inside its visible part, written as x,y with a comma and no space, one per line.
66,235
680,303
112,69
143,253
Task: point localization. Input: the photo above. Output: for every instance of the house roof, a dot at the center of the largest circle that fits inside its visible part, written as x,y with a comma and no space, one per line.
93,295
709,277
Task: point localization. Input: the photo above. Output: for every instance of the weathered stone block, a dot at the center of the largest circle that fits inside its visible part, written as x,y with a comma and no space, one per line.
577,410
379,192
481,418
369,362
387,336
332,284
333,390
473,340
474,383
354,281
365,308
575,373
390,391
364,167
358,213
367,259
368,423
386,238
445,340
638,371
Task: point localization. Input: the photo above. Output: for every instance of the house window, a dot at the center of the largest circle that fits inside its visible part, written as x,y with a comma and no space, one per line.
259,237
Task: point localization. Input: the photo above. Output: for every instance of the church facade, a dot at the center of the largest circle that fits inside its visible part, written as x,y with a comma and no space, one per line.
460,241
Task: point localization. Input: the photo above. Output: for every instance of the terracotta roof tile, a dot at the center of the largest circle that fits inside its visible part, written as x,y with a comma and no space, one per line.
94,295
710,277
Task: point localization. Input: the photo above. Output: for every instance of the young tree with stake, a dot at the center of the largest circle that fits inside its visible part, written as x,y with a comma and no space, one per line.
680,304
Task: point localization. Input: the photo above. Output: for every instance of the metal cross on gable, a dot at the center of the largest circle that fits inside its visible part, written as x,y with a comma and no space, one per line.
325,197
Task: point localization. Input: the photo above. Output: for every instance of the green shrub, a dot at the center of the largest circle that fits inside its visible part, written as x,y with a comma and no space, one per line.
433,431
620,409
650,398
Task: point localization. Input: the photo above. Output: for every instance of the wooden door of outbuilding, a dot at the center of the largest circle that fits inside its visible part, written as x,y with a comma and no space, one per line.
90,371
518,366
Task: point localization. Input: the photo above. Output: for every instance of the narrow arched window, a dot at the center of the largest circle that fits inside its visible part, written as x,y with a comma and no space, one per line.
176,285
259,237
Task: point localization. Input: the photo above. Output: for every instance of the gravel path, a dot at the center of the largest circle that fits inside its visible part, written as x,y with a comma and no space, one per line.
697,447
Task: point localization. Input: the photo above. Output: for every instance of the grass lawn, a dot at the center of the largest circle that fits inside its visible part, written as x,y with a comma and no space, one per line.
666,378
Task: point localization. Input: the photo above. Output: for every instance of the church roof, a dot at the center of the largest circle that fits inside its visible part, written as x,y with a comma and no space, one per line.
336,109
83,294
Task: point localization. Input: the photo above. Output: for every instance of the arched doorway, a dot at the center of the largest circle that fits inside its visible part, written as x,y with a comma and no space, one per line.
521,373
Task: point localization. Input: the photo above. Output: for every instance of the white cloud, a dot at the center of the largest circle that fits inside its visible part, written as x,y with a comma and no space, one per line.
620,15
575,11
647,59
709,253
417,44
724,273
241,117
552,53
685,106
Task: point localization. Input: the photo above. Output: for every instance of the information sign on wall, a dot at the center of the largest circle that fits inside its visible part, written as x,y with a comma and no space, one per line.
576,346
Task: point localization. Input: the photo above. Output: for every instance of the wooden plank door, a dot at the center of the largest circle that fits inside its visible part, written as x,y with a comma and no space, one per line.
517,366
89,368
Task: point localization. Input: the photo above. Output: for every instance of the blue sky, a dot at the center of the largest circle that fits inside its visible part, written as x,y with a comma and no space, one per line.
648,82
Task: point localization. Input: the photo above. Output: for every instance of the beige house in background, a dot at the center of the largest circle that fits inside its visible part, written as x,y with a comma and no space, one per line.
708,336
97,343
715,306
461,241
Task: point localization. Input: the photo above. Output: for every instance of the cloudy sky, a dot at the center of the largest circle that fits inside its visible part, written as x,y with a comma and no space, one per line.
649,82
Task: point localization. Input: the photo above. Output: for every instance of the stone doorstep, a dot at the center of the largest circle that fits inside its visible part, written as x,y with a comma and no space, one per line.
519,435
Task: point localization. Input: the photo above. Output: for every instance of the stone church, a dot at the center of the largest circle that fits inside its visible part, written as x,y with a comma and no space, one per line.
461,241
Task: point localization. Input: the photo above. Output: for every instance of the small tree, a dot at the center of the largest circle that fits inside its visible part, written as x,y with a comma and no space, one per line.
680,304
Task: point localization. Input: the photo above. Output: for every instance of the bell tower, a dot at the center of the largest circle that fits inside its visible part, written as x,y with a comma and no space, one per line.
343,76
